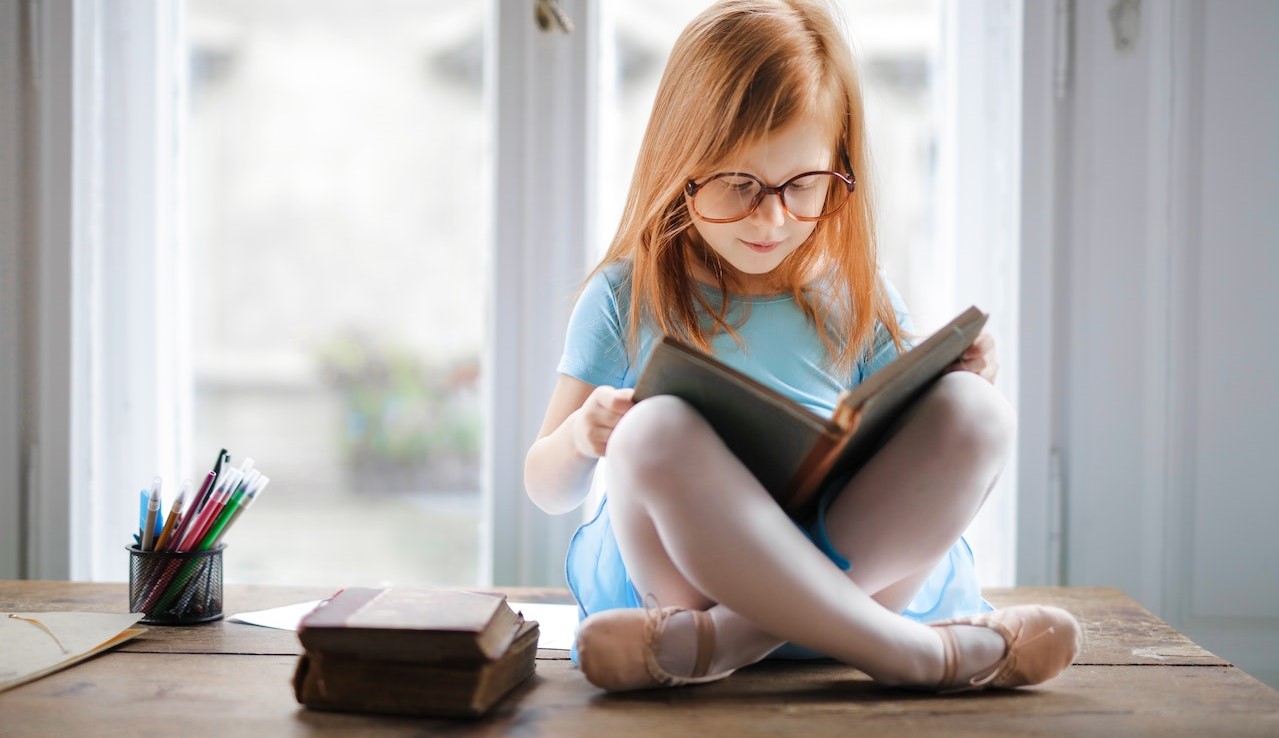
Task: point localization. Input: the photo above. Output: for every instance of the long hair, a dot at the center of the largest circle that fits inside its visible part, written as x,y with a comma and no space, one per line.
741,70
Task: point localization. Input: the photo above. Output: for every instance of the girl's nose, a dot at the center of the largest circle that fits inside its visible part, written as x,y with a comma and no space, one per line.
770,211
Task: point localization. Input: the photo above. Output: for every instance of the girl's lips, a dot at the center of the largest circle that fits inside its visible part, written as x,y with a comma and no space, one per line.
762,247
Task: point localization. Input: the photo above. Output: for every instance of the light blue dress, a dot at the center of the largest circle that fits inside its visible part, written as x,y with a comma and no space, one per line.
782,350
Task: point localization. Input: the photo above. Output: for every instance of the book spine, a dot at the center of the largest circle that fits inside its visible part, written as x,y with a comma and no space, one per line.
804,486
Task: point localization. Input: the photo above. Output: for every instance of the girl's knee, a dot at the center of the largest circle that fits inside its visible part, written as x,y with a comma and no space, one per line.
655,435
972,413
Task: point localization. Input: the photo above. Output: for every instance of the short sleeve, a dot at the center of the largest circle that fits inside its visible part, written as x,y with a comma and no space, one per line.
595,345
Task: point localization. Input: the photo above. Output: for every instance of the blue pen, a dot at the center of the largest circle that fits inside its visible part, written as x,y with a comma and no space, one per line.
143,498
142,514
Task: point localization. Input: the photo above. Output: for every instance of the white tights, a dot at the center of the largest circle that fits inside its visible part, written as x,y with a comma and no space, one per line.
697,530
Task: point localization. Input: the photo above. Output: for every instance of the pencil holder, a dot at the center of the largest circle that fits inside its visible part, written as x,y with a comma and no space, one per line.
176,588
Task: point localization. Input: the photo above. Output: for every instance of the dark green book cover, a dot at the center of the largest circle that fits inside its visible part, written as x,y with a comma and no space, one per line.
791,450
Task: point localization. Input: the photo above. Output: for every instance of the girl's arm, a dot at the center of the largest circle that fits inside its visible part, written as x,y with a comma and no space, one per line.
579,420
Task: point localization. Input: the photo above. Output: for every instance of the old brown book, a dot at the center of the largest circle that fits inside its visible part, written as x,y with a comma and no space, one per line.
327,681
791,450
409,624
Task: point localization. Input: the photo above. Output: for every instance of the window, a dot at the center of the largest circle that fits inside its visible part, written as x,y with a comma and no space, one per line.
305,174
337,202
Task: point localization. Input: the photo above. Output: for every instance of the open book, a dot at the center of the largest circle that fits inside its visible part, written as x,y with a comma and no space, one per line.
33,644
791,450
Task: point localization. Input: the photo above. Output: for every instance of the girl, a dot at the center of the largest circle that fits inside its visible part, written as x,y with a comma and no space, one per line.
747,233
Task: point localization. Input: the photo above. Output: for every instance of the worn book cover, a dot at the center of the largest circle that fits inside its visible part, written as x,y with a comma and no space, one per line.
791,450
328,681
411,624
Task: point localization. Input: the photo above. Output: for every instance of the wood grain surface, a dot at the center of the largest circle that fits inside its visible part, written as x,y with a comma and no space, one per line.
1135,677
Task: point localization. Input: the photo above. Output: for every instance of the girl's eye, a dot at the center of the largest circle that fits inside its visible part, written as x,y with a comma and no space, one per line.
738,184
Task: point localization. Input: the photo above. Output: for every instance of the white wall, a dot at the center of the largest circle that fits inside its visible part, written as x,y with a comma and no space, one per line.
1166,348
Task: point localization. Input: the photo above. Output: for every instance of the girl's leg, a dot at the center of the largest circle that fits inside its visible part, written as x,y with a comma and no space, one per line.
914,498
694,526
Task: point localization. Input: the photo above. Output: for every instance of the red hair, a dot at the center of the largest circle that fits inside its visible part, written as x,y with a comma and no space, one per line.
741,70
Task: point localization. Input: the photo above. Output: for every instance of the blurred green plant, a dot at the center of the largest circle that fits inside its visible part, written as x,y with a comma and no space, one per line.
403,411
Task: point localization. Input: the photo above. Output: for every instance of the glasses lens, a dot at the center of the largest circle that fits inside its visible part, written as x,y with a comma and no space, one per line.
815,195
726,196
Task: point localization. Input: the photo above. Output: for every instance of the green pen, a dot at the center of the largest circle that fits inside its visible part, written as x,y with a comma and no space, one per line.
228,511
244,505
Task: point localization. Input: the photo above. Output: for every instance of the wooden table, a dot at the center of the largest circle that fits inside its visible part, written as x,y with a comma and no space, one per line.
1135,676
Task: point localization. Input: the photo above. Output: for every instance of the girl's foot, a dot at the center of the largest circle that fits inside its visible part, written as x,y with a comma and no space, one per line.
1039,643
621,650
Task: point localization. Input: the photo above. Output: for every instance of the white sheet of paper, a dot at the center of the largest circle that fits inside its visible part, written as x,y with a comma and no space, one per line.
557,623
283,618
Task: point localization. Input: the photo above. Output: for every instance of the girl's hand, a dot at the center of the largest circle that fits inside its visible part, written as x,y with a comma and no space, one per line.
598,416
979,358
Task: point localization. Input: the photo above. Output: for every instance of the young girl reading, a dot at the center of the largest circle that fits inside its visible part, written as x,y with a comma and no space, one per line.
746,232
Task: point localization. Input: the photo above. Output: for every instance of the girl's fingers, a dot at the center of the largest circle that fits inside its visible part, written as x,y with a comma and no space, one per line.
605,408
615,403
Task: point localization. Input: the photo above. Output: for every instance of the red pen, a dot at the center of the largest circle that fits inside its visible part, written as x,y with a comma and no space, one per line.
211,509
192,511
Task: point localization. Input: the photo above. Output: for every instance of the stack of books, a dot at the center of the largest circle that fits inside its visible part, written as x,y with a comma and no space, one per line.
409,651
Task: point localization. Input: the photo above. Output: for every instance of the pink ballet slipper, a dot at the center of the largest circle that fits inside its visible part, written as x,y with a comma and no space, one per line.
616,649
1040,642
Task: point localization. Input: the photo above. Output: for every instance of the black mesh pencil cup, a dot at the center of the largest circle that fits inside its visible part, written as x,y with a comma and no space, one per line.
176,588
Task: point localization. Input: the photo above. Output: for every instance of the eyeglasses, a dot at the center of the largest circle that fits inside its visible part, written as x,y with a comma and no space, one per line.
731,196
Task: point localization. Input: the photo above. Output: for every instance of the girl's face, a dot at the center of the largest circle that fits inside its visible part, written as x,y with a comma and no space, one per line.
757,244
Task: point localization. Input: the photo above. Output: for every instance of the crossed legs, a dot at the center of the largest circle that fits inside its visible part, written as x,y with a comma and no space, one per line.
697,531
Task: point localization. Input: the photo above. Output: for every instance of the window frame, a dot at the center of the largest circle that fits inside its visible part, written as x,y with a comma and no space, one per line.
541,245
102,415
106,278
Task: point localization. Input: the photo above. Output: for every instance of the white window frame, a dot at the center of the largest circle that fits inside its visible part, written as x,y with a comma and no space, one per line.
1044,82
106,347
976,237
78,475
541,246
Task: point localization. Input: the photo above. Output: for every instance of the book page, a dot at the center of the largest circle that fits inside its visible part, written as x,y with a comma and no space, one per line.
33,644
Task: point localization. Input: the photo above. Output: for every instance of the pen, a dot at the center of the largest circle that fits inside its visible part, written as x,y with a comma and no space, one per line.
175,513
185,523
200,525
216,475
237,480
240,498
153,510
142,517
248,502
220,466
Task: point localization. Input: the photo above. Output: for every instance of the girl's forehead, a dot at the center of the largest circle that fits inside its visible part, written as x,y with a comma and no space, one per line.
805,144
